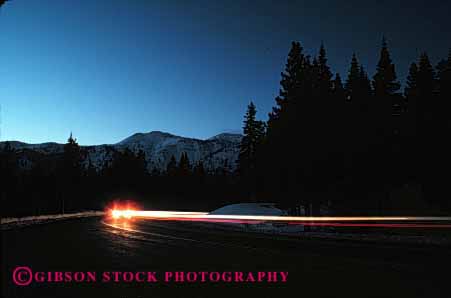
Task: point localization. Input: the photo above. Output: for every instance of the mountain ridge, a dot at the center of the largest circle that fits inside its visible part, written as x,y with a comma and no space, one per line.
218,151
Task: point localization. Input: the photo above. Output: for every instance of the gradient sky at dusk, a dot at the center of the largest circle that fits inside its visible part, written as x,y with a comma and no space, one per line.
107,69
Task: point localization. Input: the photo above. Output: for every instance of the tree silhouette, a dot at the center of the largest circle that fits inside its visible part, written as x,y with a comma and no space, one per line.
426,84
284,120
353,80
289,86
385,81
324,73
411,94
71,174
72,156
253,134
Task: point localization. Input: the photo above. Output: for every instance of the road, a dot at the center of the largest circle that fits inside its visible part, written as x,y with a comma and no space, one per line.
317,268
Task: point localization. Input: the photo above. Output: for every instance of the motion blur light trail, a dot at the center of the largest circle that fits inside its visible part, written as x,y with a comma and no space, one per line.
154,214
332,221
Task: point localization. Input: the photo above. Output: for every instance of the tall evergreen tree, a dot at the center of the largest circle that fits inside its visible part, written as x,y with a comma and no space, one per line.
300,117
385,81
411,89
426,76
289,85
72,156
338,107
411,95
71,174
324,73
358,89
386,101
253,134
429,138
384,127
353,80
426,105
324,108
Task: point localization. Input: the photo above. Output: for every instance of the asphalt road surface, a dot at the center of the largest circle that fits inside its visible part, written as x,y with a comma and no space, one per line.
316,268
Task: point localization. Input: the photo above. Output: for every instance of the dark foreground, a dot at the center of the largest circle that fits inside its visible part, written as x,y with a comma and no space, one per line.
317,268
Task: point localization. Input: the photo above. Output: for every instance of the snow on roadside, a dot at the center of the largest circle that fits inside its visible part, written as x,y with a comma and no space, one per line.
249,209
298,231
11,222
257,209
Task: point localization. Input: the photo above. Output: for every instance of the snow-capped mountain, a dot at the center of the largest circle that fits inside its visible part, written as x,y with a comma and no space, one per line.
218,151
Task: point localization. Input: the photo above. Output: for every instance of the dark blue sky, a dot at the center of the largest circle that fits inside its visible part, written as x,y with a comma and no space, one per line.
108,69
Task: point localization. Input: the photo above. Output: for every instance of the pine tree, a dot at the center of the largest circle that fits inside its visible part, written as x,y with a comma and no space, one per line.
430,131
72,155
289,85
411,89
386,103
298,117
426,82
426,76
253,133
353,80
357,90
337,106
324,73
71,173
324,106
385,81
